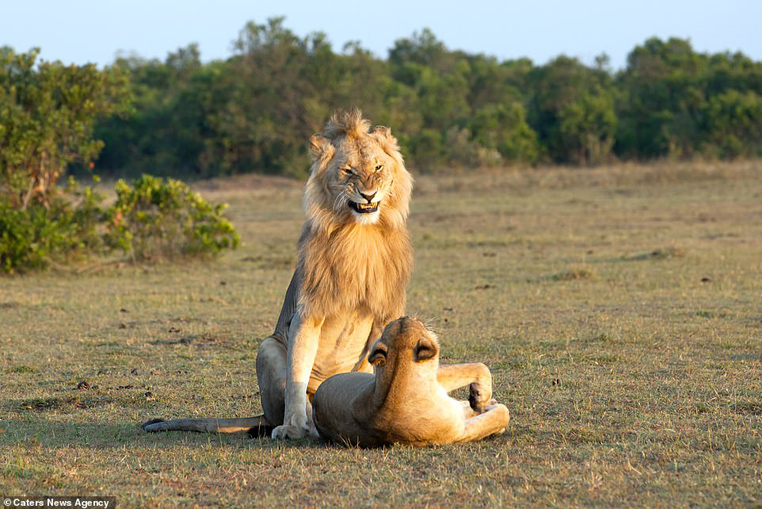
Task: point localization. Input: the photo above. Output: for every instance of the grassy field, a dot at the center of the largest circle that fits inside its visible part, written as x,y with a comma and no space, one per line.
620,311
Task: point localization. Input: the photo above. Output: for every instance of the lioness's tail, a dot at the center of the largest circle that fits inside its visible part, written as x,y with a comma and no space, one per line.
256,426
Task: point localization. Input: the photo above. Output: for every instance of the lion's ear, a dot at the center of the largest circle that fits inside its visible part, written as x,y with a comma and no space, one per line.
426,349
381,130
384,136
319,145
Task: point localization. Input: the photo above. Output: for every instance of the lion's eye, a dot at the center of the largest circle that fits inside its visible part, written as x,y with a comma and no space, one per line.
347,170
379,167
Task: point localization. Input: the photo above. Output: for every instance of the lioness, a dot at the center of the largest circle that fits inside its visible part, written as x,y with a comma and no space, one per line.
406,401
354,262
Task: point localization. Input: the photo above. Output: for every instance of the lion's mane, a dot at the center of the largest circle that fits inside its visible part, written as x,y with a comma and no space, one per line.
343,264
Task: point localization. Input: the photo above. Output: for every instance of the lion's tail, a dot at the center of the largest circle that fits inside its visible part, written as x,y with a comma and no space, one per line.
256,426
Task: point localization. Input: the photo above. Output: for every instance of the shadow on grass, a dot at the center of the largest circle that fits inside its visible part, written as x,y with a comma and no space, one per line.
43,433
40,432
666,253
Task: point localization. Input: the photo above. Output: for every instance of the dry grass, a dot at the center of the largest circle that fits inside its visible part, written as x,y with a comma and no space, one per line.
619,310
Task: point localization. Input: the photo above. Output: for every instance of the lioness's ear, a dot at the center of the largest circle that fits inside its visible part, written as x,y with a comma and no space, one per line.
377,356
318,146
425,349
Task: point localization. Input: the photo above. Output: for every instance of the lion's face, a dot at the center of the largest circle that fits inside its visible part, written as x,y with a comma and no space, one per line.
361,177
358,175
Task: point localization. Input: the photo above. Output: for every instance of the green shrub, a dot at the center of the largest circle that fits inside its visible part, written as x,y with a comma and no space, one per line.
34,237
154,219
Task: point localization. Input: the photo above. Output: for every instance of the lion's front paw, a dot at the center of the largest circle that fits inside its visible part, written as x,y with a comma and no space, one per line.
298,426
285,432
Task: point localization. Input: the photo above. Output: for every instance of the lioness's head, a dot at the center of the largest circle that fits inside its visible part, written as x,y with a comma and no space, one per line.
358,175
405,341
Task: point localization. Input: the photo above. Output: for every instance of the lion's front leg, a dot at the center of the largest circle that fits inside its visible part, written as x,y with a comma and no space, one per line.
304,338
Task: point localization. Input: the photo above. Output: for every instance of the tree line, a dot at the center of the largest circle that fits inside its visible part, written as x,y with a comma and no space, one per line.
254,110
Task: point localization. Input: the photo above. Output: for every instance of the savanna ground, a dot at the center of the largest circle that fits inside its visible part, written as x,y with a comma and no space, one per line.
619,310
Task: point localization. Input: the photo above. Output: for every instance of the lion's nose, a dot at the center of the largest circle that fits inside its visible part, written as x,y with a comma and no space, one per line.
369,197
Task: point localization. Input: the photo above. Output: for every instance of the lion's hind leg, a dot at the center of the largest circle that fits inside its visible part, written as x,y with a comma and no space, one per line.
271,377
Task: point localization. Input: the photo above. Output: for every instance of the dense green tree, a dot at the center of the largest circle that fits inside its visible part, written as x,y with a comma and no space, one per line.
664,89
255,110
438,77
168,130
572,110
587,127
734,125
503,127
47,112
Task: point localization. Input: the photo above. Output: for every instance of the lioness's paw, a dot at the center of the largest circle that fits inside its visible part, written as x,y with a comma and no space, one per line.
479,398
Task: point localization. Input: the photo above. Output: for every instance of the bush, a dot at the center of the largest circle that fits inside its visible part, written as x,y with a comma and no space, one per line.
34,237
151,220
154,219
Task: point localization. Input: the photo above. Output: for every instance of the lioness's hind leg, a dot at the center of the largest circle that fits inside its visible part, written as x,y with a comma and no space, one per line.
476,374
492,421
469,412
271,377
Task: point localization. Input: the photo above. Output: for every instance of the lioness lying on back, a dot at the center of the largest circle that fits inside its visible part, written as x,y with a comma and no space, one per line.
406,400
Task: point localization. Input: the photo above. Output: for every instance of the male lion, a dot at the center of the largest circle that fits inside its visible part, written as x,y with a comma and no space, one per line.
406,402
354,262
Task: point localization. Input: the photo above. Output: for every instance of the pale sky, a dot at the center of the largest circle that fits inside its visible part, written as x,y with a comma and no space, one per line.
80,31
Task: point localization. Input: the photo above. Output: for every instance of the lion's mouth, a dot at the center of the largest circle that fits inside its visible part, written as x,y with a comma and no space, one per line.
363,208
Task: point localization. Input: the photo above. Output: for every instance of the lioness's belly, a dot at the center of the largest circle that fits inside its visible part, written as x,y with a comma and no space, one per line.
342,344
